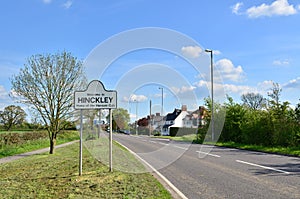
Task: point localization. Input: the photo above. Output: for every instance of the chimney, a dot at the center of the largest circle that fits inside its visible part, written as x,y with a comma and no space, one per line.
183,108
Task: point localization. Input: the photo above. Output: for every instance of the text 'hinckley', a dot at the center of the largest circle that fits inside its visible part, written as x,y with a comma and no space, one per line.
93,100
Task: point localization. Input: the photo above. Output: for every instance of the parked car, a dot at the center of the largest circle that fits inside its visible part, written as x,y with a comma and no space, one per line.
127,132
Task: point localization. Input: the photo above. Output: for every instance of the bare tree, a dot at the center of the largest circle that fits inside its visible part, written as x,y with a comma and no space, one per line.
12,115
254,101
47,83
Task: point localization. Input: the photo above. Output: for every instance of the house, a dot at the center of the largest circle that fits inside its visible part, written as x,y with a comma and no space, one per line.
156,121
195,118
184,119
169,121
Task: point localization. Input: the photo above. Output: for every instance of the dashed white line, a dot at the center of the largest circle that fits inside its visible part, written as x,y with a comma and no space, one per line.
180,147
261,166
162,143
217,156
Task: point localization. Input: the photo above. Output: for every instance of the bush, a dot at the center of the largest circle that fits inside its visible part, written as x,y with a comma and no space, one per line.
21,138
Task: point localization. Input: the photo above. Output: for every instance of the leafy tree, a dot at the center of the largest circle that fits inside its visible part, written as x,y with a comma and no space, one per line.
219,115
257,128
143,122
297,112
254,101
12,115
47,84
282,116
234,118
121,118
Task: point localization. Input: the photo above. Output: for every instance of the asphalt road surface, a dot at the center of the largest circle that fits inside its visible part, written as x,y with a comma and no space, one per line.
202,171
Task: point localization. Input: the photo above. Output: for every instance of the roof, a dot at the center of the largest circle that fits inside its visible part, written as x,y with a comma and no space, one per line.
173,116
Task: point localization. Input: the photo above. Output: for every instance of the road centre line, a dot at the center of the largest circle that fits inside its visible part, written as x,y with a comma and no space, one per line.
217,156
180,147
163,143
264,167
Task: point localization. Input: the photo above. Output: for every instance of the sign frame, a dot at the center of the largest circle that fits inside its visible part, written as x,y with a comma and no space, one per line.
95,97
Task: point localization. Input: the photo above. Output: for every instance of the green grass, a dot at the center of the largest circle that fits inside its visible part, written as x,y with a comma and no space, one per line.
122,159
31,145
295,151
56,176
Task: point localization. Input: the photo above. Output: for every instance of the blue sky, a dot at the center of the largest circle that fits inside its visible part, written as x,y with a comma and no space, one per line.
255,42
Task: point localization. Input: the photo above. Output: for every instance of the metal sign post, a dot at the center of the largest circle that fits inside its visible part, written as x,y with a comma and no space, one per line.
110,140
95,97
80,143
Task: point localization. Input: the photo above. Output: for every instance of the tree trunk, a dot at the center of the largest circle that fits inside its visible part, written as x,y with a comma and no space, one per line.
52,144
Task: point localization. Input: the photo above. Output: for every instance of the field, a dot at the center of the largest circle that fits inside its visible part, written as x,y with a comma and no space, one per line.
16,142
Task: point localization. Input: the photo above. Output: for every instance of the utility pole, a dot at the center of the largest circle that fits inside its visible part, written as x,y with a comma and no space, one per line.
162,106
212,92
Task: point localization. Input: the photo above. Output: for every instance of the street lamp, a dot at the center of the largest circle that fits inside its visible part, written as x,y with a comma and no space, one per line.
162,106
136,115
212,91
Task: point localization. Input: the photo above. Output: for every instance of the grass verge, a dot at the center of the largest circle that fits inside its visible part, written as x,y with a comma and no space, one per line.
30,145
56,176
294,151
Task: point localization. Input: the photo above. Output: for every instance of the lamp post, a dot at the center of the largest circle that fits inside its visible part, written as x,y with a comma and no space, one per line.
136,114
162,106
212,92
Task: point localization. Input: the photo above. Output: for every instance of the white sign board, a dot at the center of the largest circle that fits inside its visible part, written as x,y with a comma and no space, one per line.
95,97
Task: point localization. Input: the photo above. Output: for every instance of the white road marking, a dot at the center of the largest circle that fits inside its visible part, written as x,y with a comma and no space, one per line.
152,141
217,156
257,165
175,189
162,143
180,147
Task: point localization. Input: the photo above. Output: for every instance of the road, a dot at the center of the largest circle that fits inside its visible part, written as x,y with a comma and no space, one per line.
201,171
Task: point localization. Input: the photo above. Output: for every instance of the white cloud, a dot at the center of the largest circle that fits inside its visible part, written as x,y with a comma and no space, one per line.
264,86
228,88
67,4
238,89
47,1
229,72
281,62
294,83
135,98
278,7
191,51
183,89
216,52
236,8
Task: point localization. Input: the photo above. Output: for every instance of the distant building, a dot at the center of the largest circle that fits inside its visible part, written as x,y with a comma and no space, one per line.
169,121
156,122
184,119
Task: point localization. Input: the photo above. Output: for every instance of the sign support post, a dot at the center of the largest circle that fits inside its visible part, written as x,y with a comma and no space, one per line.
80,144
110,140
95,97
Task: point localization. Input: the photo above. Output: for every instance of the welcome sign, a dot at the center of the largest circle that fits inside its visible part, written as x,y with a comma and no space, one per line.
95,97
